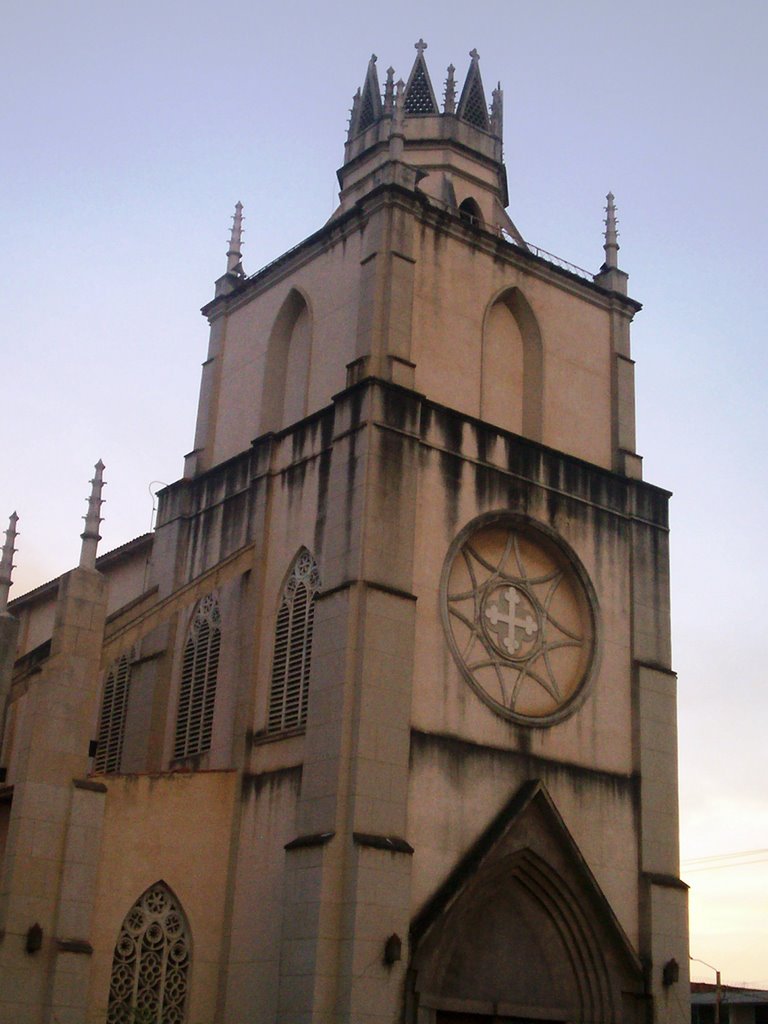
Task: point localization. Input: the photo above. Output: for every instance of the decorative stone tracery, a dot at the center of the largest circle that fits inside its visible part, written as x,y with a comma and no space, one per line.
150,967
520,617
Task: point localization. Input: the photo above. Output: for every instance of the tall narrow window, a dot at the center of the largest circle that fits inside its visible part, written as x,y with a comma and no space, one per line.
150,966
197,693
112,721
293,646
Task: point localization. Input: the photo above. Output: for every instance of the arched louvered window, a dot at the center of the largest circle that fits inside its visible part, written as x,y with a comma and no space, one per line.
197,693
112,722
293,646
150,967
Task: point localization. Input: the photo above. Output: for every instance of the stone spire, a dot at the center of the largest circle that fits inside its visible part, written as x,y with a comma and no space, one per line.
370,101
396,137
611,244
419,94
449,103
90,534
389,92
354,116
6,561
234,253
472,105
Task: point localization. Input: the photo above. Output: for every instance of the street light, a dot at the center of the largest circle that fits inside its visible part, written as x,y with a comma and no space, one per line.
718,990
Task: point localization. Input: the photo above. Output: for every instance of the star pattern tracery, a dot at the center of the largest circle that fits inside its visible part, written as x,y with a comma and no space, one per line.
515,612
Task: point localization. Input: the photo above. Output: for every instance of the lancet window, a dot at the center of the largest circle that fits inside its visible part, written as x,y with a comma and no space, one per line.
199,669
114,702
289,692
150,966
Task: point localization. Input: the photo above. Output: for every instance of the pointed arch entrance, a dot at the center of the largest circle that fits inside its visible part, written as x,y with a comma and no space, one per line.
520,932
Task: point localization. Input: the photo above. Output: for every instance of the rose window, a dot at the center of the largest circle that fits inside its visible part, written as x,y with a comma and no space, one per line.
519,614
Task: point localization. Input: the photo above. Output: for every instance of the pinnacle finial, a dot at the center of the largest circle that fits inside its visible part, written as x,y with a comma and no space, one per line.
497,111
420,46
449,104
234,253
611,244
389,91
6,561
90,535
474,55
397,120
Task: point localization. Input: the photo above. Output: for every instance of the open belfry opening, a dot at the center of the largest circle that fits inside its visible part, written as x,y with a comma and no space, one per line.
378,723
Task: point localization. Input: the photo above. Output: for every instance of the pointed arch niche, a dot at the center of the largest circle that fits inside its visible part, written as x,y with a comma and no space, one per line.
512,372
150,966
285,388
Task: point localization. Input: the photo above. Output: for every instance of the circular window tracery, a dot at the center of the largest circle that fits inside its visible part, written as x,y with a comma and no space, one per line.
520,616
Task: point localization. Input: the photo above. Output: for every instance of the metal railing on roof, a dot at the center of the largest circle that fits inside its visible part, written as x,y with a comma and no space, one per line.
543,254
550,257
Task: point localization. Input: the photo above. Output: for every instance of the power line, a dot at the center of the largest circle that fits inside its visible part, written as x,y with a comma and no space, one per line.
740,858
725,856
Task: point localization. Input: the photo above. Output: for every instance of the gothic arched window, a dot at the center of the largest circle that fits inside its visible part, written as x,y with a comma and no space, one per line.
112,721
470,212
293,646
150,967
197,692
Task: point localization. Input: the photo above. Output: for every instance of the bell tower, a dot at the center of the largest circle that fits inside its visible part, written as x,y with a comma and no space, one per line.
486,827
401,644
455,153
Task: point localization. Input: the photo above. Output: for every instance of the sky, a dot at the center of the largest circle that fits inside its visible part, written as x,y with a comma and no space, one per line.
130,131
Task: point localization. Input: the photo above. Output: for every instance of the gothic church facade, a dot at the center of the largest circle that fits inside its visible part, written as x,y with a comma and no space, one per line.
378,724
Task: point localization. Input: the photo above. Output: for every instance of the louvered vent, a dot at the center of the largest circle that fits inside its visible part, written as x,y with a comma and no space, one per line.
474,109
197,691
112,721
367,112
293,647
418,99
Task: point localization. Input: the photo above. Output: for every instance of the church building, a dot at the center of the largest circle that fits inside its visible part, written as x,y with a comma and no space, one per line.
378,724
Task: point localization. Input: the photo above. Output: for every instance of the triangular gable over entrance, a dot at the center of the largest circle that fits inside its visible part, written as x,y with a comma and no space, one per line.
521,929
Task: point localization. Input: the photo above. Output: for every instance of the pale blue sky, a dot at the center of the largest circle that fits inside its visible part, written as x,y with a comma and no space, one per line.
131,130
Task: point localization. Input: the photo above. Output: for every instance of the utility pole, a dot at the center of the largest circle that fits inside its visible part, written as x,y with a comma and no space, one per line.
718,986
